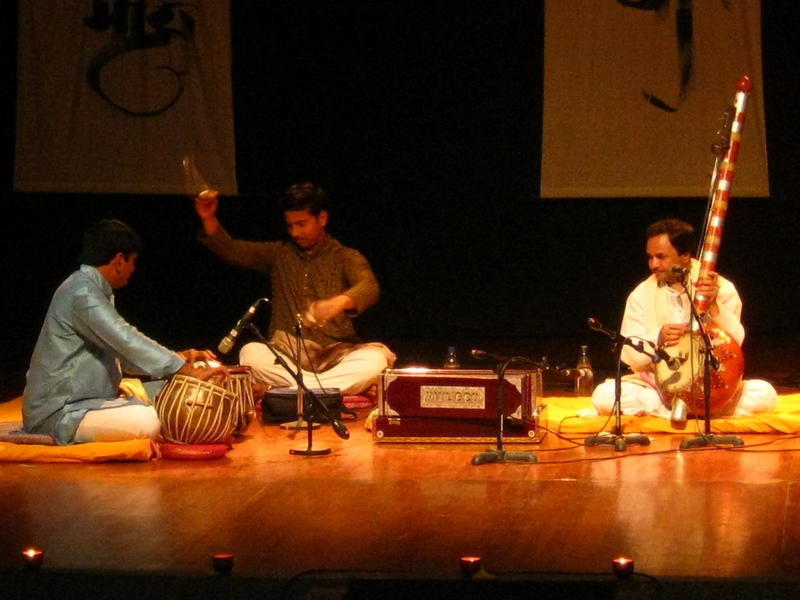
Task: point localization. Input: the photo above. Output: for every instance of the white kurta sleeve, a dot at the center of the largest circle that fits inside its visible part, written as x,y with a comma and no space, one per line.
635,325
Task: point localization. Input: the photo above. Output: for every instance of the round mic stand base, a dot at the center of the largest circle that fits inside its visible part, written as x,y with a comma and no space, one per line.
310,450
709,439
619,441
501,456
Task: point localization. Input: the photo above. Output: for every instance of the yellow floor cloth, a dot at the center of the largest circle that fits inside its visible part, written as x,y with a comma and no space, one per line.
562,416
132,450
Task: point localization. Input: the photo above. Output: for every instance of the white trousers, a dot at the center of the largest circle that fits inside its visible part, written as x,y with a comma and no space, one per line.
355,374
756,396
119,424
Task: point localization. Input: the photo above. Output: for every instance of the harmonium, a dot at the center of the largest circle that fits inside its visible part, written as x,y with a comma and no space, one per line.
457,405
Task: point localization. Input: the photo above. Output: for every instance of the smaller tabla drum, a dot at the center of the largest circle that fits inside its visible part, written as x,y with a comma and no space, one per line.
240,384
195,412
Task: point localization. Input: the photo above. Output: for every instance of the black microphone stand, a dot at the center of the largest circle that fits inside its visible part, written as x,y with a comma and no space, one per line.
710,361
300,421
312,406
499,454
619,440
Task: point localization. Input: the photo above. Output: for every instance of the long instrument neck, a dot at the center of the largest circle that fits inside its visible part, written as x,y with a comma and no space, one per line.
712,238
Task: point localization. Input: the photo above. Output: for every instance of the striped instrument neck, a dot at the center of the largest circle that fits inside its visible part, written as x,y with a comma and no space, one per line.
712,238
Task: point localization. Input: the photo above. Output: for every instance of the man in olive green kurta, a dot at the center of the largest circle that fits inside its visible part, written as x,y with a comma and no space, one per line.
313,276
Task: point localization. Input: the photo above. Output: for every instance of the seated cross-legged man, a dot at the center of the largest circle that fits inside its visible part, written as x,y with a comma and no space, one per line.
315,277
72,391
658,312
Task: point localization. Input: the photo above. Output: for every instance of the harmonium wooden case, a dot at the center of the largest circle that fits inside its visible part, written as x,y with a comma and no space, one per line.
457,405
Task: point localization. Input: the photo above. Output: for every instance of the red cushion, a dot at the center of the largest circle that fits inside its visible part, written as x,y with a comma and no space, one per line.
358,402
193,451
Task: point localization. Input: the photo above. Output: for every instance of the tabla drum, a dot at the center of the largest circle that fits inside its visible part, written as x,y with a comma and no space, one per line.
195,412
240,384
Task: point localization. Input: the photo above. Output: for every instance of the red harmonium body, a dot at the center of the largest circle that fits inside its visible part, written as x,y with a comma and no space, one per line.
457,405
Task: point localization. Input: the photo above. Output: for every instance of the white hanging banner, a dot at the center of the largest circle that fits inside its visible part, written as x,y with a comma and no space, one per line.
635,92
112,94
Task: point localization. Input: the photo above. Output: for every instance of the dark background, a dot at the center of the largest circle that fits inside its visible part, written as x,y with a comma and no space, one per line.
424,122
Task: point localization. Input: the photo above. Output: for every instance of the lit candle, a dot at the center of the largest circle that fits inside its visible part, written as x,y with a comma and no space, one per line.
622,566
222,562
470,565
33,557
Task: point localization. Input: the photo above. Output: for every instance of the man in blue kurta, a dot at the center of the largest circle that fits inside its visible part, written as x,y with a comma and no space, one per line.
72,391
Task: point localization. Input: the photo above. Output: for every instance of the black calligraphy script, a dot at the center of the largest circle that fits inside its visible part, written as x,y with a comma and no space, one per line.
133,29
684,33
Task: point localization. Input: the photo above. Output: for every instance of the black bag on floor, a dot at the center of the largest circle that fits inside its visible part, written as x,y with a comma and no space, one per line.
279,405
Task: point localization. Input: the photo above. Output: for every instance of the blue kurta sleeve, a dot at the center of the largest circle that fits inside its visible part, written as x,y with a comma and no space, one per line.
98,321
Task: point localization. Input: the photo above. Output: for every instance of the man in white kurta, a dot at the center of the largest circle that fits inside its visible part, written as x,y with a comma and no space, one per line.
658,312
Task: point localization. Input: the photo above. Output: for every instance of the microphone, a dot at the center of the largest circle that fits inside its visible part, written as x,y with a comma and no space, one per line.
596,325
229,340
679,272
340,429
673,362
336,424
484,355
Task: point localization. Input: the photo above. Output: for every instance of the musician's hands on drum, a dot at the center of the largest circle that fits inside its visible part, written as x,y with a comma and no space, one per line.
204,371
192,356
671,333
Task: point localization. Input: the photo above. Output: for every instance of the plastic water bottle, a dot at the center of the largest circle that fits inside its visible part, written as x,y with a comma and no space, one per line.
584,382
451,359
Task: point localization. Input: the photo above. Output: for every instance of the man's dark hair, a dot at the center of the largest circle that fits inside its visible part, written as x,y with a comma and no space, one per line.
305,196
103,240
681,234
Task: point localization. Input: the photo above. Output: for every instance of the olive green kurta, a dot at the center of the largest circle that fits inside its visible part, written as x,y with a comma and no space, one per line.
300,278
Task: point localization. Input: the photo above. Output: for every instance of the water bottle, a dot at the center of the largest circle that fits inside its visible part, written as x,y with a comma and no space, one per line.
451,359
584,382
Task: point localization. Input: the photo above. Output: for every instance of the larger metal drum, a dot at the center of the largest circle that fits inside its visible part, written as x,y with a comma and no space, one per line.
196,412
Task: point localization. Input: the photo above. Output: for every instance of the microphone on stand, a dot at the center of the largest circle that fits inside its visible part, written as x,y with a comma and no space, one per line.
484,355
659,354
596,325
340,429
229,340
673,362
500,358
679,273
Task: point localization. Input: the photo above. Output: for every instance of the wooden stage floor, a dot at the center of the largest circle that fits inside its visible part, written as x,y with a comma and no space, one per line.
711,517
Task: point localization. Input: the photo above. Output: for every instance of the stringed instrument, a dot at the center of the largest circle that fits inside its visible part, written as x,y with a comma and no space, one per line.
687,382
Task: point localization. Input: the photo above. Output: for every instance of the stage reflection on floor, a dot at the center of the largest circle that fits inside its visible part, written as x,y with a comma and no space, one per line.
414,509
